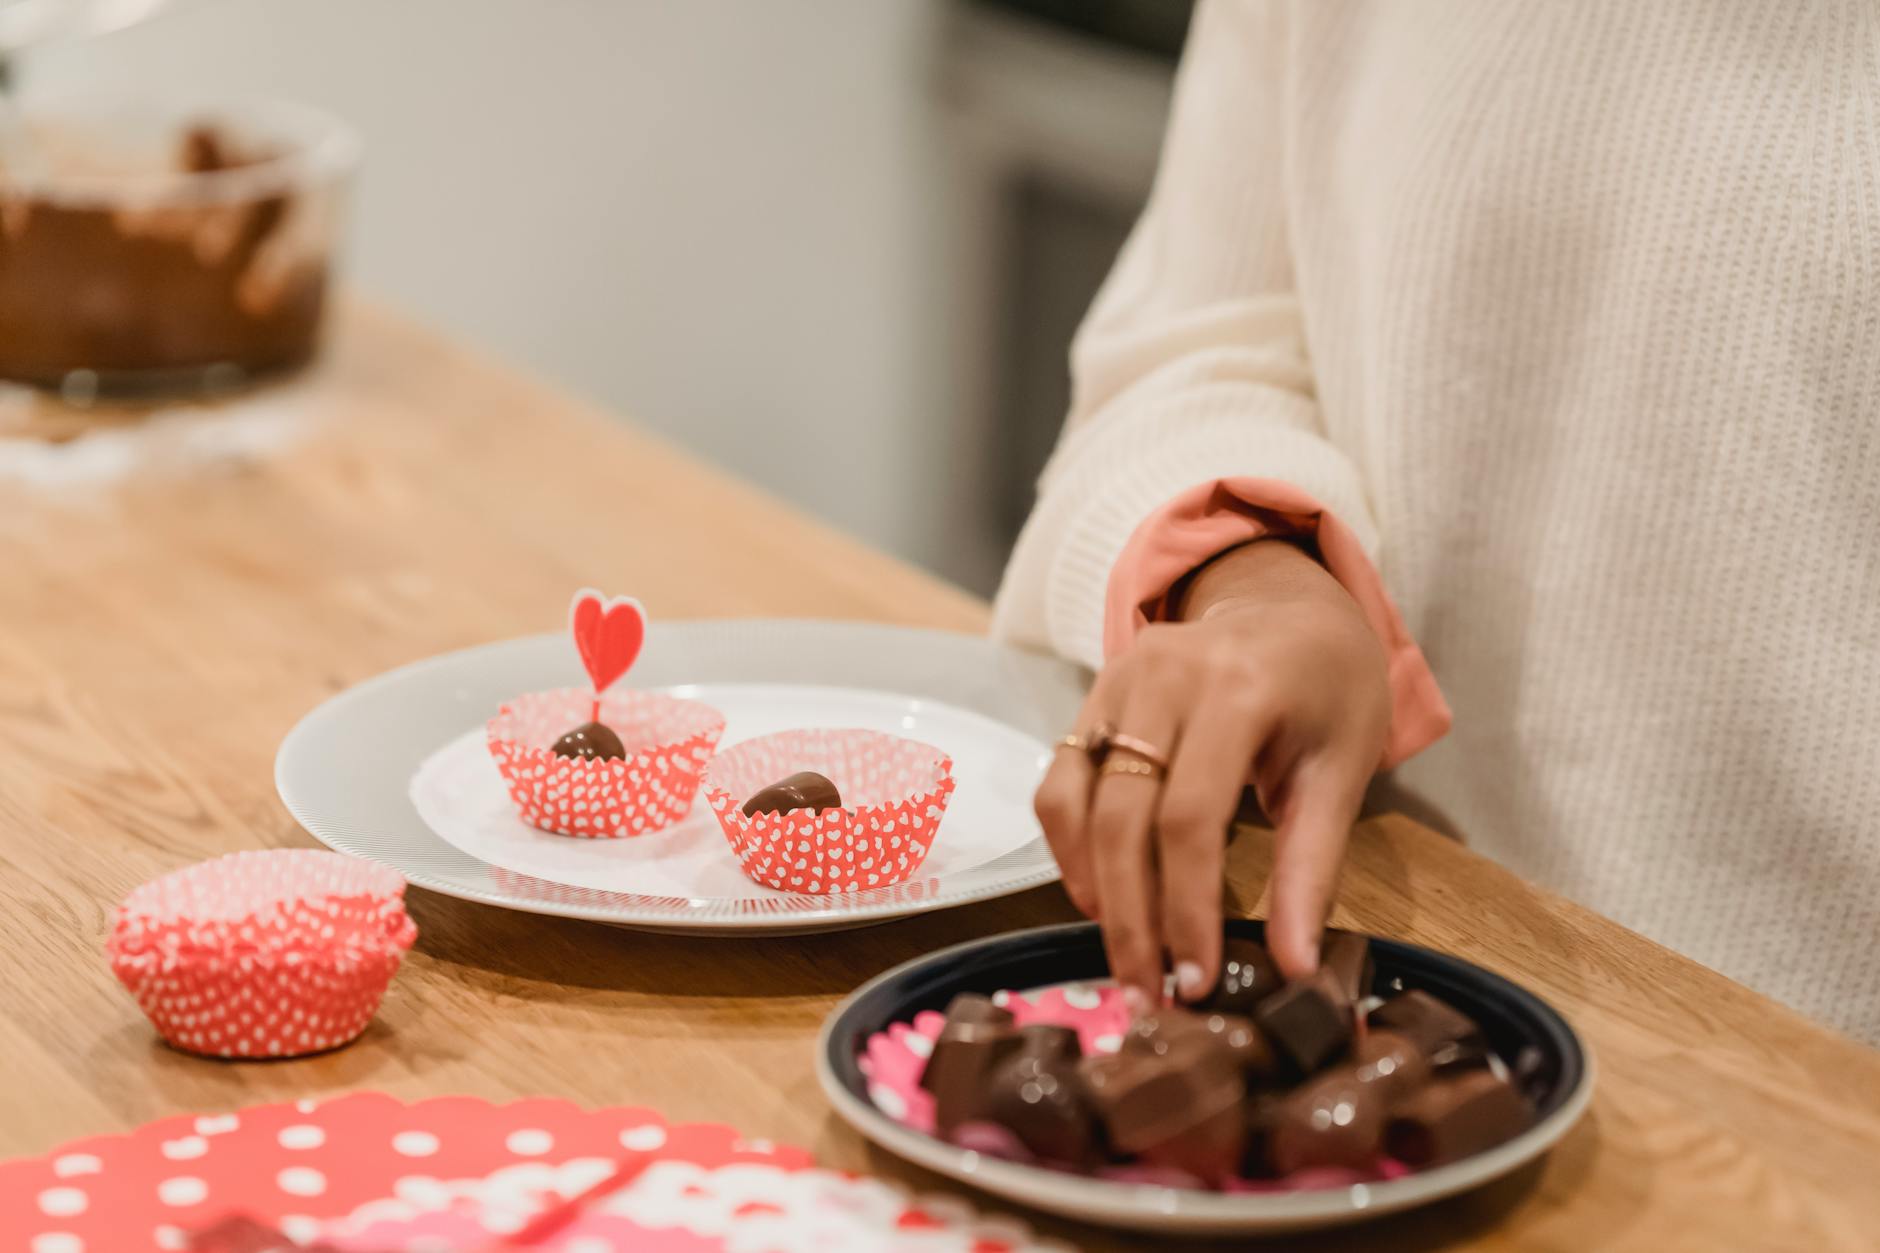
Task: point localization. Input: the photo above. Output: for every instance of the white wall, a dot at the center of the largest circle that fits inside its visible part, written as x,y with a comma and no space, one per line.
710,215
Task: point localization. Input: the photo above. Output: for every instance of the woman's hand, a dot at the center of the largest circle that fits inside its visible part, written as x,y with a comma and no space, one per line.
1270,673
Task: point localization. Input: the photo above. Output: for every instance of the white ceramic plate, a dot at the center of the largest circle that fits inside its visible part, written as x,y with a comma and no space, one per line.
395,770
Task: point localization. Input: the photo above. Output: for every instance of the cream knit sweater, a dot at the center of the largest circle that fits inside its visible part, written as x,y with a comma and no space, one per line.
1572,312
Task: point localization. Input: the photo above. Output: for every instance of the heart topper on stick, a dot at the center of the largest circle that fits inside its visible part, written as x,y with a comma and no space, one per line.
608,634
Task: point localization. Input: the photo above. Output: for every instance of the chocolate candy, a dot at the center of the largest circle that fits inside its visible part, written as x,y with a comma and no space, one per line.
1180,1107
1339,1117
1159,1030
803,790
1452,1118
1348,955
1446,1035
1043,1039
1309,1021
1390,1061
977,1038
1336,1119
1038,1095
1248,976
239,1233
591,741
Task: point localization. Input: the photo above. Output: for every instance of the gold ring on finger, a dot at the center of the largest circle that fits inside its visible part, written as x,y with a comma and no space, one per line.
1091,743
1140,747
1130,765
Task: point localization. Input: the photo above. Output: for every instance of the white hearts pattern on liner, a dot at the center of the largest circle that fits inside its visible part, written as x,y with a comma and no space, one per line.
262,954
668,742
895,792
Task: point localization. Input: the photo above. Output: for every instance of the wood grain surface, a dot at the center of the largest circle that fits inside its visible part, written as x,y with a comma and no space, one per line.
159,634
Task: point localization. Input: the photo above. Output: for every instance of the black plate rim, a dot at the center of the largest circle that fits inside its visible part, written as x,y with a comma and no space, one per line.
1151,1205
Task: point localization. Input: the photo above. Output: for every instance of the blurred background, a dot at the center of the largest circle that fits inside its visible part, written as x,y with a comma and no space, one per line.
836,246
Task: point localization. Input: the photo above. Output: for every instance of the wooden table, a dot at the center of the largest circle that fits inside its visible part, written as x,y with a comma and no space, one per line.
158,637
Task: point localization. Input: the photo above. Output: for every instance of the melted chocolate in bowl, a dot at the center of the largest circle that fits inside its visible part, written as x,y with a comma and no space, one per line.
164,257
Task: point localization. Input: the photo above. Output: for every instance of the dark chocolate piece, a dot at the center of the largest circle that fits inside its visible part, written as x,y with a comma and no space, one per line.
1159,1031
1447,1036
1339,1117
803,790
1335,1119
1390,1061
591,741
1039,1097
1453,1118
1180,1107
1348,955
1309,1021
977,1038
1259,1064
1248,976
1044,1039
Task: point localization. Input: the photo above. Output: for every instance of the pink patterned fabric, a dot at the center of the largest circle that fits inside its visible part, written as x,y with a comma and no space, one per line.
1210,518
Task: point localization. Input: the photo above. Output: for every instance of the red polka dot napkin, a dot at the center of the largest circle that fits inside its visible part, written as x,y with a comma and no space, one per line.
368,1172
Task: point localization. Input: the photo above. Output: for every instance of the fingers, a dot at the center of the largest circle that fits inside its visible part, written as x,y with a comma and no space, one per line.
1122,812
1197,805
1062,803
1322,802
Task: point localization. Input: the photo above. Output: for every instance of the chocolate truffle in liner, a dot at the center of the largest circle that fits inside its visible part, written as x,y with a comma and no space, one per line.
1452,1118
977,1038
1309,1021
1039,1096
1181,1108
1248,976
803,790
591,741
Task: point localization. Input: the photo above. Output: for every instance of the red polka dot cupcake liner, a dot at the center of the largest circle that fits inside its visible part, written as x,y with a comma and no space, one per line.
894,793
273,953
667,741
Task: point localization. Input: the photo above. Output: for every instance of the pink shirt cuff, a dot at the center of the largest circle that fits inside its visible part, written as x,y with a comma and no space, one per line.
1210,518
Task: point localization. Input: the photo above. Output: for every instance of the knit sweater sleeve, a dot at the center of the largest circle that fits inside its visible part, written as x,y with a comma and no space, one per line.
1191,369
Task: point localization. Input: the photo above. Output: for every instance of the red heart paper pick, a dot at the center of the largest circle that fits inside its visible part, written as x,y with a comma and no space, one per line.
608,634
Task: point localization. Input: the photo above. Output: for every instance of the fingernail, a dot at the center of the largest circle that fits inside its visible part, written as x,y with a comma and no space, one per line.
1188,980
1136,999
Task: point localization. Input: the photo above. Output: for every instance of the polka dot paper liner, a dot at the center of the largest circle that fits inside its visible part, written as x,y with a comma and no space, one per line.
894,793
271,953
893,1060
366,1171
667,740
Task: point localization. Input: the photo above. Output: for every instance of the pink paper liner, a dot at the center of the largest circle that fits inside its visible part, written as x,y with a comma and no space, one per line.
894,792
892,1062
668,742
270,953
